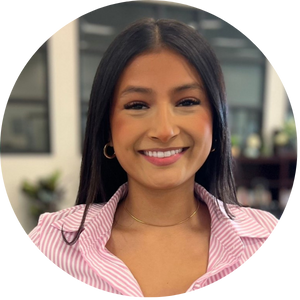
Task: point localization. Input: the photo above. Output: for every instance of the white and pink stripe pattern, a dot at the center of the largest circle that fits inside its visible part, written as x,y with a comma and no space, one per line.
232,243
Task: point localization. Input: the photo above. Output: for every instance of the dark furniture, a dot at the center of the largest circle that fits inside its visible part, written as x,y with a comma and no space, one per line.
275,173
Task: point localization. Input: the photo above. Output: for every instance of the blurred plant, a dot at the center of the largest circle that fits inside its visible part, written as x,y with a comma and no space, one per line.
289,128
286,137
235,140
281,138
43,195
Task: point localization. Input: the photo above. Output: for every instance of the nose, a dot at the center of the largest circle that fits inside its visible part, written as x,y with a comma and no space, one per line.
163,126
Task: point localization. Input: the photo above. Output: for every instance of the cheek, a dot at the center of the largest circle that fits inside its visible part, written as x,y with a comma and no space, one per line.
118,127
203,132
123,132
118,131
203,128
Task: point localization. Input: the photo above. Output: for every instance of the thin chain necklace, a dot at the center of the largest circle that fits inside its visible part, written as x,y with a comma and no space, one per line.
140,221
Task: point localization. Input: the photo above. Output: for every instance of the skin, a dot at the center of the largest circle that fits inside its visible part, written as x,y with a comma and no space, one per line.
160,195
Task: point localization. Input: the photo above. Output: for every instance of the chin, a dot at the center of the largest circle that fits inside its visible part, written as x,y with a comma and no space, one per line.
165,183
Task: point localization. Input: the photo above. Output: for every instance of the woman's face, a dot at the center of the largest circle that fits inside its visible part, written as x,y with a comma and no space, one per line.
161,121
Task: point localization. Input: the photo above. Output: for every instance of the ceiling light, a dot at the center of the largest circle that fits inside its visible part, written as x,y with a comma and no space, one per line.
249,53
211,24
228,42
97,29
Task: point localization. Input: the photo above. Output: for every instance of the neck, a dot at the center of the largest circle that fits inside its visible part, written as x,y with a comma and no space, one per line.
157,206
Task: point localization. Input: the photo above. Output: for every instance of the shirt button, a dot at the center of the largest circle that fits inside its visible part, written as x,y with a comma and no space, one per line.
197,286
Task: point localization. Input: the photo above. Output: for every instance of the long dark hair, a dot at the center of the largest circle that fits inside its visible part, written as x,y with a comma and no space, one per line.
101,177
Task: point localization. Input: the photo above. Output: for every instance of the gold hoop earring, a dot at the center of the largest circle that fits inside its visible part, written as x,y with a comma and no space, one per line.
105,152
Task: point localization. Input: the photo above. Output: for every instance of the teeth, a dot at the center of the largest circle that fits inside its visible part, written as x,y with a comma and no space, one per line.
162,154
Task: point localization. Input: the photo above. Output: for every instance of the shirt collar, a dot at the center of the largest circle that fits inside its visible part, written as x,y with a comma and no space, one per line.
101,216
242,223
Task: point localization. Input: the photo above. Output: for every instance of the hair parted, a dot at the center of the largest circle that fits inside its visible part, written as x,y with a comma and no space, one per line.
100,177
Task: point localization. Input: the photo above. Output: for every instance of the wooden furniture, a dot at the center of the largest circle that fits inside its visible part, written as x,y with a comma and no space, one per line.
275,173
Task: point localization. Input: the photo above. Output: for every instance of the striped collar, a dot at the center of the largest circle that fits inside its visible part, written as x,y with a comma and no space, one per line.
102,216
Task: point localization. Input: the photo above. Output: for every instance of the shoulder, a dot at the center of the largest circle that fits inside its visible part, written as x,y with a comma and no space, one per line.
51,241
253,220
264,218
253,227
68,219
246,220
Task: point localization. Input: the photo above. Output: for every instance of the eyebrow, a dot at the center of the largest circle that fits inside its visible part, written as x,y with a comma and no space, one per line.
144,90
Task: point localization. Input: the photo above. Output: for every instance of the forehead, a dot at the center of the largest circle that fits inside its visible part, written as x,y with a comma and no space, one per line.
163,68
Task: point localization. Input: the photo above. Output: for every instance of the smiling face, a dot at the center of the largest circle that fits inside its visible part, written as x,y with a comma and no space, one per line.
161,121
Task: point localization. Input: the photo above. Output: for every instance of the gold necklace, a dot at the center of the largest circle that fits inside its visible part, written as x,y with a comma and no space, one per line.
140,221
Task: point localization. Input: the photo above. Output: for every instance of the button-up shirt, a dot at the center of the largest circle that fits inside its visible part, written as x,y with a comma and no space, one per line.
232,242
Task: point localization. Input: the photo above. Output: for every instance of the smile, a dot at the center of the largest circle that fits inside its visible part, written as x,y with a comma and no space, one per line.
161,154
163,158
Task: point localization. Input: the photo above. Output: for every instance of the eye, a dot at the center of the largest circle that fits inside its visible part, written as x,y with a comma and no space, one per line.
188,102
136,105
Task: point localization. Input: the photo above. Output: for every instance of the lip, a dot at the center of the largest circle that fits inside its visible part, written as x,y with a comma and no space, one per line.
163,161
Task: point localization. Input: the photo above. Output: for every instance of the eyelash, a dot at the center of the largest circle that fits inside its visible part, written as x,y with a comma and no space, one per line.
141,105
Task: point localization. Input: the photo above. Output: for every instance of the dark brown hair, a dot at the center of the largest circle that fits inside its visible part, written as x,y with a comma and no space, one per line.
100,177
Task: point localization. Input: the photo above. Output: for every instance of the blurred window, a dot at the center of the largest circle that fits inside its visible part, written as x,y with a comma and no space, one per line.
242,62
244,84
25,127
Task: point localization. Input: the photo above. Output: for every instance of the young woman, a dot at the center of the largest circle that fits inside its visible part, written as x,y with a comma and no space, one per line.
156,213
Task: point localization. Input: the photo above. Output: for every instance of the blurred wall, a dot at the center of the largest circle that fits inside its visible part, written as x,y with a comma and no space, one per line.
64,128
65,125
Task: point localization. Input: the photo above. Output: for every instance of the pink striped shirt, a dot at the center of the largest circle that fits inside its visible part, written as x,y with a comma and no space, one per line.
232,242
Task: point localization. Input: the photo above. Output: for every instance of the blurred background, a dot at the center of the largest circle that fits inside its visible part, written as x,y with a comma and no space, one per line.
44,122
